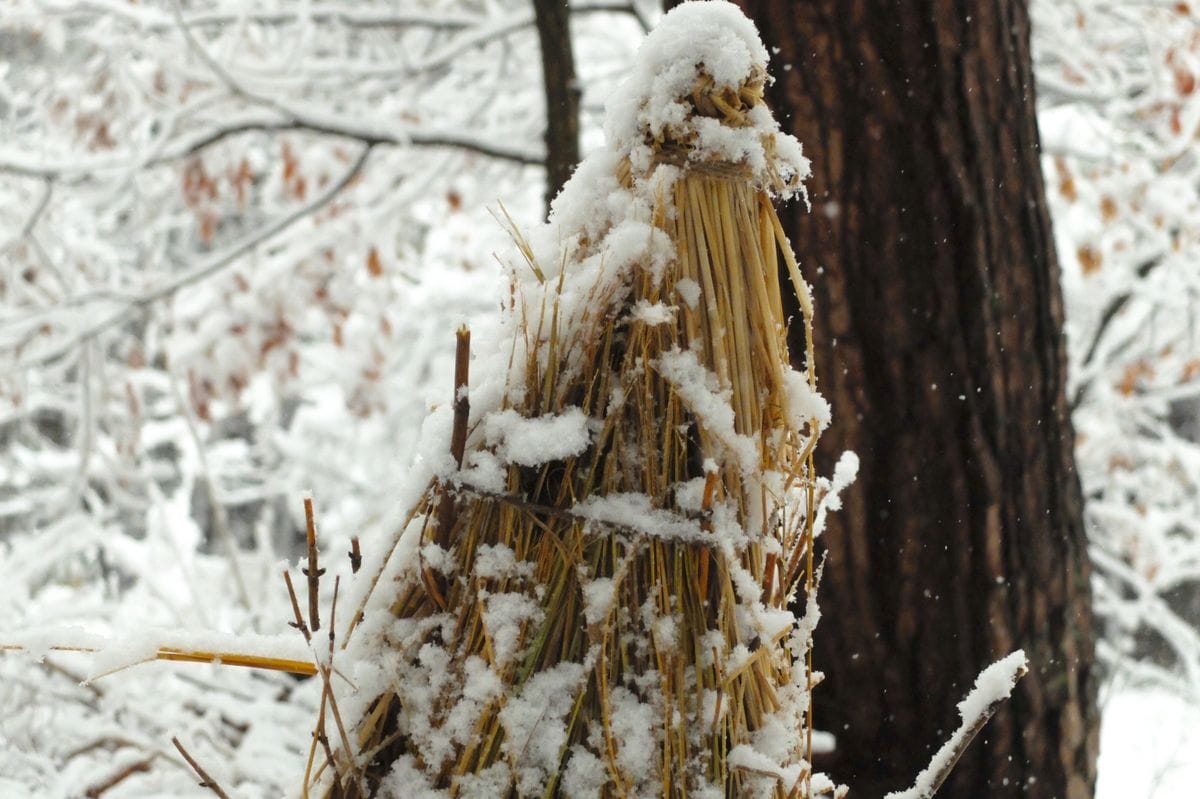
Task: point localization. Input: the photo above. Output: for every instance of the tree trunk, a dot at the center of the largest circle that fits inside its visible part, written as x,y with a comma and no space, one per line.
939,341
562,94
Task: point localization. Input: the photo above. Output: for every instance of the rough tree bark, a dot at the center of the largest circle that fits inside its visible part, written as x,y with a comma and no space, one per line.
941,349
552,18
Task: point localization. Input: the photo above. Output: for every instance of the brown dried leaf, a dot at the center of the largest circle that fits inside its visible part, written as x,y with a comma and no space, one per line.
1108,208
1090,259
1066,181
374,264
208,227
289,163
1134,377
1191,370
1185,80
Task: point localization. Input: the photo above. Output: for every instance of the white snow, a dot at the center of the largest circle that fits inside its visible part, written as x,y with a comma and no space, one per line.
1149,744
534,724
598,596
585,775
529,442
689,292
652,313
636,729
700,391
634,512
992,685
133,647
805,404
506,617
499,561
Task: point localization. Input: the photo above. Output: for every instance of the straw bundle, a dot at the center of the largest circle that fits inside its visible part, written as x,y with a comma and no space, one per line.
590,596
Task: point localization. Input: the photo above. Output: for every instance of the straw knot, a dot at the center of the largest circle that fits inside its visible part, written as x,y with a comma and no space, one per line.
727,104
707,99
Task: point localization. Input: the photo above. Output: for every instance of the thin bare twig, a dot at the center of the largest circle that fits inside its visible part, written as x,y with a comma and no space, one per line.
145,19
317,124
137,767
34,215
205,780
299,622
369,16
313,572
328,699
272,123
220,520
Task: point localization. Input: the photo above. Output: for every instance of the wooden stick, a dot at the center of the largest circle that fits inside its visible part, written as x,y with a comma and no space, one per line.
313,573
458,434
462,403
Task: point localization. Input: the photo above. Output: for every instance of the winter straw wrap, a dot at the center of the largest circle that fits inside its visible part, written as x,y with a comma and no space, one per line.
590,596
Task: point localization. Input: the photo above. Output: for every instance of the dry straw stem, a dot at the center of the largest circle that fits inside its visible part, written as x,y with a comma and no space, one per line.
676,626
197,656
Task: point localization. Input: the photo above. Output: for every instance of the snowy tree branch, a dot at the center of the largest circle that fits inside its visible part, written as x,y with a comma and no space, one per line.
992,689
205,269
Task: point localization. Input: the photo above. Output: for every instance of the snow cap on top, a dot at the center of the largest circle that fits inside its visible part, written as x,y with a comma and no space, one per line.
710,49
715,33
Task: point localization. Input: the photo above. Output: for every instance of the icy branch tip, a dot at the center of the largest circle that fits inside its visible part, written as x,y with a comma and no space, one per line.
994,684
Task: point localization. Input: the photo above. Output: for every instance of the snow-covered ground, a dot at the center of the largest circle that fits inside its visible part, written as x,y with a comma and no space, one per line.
1149,745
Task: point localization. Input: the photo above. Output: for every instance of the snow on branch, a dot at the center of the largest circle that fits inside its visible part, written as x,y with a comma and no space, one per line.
199,271
1118,115
992,688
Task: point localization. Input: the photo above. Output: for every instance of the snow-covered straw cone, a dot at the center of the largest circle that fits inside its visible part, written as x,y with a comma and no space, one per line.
593,602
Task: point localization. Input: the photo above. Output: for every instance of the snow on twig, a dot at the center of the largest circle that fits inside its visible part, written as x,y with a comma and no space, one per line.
992,687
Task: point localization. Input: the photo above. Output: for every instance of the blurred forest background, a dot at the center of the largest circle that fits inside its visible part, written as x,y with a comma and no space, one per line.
236,240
